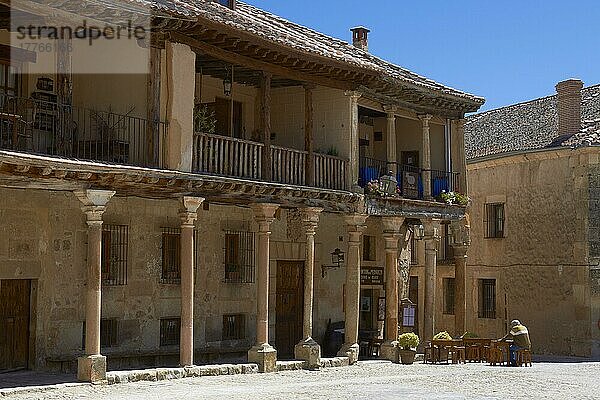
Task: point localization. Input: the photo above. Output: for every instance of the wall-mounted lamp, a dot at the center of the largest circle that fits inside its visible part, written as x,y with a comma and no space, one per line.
337,259
227,86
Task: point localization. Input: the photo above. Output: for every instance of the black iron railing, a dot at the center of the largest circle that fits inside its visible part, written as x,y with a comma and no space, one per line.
35,125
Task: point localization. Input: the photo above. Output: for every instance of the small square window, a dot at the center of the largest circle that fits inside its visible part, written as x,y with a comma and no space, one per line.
494,220
487,298
171,256
239,257
234,327
115,240
170,329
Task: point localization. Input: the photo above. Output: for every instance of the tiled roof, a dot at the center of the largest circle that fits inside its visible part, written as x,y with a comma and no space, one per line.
530,125
275,29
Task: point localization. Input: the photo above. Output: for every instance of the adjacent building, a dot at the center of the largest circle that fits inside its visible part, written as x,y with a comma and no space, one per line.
213,205
533,175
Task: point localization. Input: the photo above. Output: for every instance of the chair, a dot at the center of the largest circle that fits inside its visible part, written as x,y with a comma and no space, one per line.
473,353
458,355
495,356
428,353
524,357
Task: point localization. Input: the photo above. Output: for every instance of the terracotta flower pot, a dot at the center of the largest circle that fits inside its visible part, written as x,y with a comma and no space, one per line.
407,357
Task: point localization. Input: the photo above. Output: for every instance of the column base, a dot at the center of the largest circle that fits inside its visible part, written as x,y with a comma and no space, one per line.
350,350
308,350
389,351
91,368
265,356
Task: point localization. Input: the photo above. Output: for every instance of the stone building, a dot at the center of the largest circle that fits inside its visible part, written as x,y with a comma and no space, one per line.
212,204
533,175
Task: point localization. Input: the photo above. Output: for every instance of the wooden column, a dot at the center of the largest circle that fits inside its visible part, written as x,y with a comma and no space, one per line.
426,157
262,353
356,226
64,92
392,155
352,176
265,123
432,238
188,215
460,164
153,139
308,349
92,367
309,135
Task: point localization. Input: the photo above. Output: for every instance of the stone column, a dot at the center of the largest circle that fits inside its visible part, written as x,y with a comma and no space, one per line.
432,238
356,226
188,215
426,157
392,155
352,175
181,78
391,234
92,367
461,240
263,353
308,349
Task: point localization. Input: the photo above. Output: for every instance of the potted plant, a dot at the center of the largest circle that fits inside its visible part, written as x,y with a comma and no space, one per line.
454,198
442,336
408,342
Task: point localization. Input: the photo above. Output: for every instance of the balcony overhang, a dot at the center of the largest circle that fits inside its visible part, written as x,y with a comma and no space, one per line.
419,209
26,171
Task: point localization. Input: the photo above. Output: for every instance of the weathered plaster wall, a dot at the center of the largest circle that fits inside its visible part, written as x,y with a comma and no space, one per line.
541,264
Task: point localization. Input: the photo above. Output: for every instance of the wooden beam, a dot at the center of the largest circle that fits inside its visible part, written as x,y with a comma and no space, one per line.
249,62
308,135
153,107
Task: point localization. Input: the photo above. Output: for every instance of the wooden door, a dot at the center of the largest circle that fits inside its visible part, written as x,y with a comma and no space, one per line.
14,323
289,307
413,295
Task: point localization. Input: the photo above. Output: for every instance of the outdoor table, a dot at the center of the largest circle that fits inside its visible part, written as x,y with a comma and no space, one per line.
439,345
480,344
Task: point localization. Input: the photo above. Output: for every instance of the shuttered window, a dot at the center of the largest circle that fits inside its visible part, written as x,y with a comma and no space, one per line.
494,220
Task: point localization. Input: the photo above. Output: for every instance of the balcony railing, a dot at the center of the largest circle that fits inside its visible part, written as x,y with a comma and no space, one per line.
39,126
409,178
227,156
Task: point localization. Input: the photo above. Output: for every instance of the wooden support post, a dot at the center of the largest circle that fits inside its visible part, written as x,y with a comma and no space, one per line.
64,91
153,139
308,134
265,119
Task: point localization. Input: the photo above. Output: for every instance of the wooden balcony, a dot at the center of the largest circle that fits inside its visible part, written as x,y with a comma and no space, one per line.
227,156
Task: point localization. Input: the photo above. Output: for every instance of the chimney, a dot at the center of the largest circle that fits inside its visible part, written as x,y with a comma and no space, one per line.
360,37
569,106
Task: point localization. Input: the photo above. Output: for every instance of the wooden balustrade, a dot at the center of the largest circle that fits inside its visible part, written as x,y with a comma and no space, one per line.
222,155
330,172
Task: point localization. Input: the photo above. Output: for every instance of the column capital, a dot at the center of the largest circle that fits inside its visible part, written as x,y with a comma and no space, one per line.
390,111
460,123
392,225
264,214
93,204
353,94
432,229
309,86
310,219
461,233
425,118
188,211
356,225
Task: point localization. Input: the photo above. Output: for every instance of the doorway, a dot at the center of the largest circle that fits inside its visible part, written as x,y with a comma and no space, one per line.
289,307
14,323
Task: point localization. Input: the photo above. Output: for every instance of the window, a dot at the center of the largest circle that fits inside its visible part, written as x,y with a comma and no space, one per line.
171,256
239,257
109,332
369,248
227,3
414,251
449,296
494,220
234,327
445,253
114,254
169,331
9,79
487,298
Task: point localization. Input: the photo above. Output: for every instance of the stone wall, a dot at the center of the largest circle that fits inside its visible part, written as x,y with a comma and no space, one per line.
541,265
43,238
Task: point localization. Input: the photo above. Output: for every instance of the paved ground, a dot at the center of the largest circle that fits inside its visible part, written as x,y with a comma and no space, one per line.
577,380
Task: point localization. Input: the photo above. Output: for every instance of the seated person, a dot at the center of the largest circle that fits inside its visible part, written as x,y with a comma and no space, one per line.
520,337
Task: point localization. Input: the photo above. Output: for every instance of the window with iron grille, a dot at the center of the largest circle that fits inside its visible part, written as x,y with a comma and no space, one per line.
445,253
487,298
494,220
369,248
171,256
414,251
234,327
170,329
109,332
115,240
449,296
239,257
